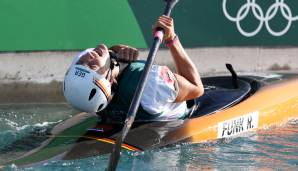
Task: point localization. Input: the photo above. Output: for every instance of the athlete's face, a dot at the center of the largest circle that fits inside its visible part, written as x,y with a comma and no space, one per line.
98,59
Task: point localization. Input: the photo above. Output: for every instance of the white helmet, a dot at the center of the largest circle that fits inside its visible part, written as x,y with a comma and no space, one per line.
85,89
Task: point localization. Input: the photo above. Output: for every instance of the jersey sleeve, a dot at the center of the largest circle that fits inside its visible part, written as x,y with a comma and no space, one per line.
160,91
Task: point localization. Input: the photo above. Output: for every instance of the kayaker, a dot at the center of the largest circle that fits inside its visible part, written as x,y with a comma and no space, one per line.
98,82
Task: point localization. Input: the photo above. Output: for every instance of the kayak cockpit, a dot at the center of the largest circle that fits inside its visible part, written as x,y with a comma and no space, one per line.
221,93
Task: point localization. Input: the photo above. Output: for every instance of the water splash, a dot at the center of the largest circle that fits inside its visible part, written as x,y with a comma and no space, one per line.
25,126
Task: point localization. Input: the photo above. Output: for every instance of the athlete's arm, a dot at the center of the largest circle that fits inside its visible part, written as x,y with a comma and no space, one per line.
188,78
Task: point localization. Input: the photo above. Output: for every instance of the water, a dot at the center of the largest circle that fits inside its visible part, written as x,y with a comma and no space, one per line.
20,123
274,148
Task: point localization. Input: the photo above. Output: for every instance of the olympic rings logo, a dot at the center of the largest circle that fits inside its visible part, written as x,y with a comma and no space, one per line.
259,15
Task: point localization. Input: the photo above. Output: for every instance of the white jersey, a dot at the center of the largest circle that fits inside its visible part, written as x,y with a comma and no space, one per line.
160,94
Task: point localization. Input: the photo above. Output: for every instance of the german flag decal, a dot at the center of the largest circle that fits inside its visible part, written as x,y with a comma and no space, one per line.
102,86
111,141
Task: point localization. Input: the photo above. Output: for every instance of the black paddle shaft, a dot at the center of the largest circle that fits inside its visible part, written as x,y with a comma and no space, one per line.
115,156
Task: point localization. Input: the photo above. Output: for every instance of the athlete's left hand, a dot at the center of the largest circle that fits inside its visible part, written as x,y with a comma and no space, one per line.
167,24
126,53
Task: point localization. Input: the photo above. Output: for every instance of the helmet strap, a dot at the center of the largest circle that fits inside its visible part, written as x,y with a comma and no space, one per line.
113,63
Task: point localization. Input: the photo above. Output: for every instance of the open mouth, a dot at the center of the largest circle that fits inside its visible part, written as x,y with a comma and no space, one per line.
100,50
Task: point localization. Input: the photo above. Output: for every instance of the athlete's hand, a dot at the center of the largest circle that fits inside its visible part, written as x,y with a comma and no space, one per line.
126,53
167,24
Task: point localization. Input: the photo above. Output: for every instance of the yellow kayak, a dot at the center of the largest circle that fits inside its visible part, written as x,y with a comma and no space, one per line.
230,106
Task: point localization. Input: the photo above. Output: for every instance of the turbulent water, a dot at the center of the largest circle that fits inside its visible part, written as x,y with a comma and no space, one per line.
274,148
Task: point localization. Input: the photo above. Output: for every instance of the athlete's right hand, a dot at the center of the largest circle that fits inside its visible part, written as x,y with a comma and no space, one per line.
126,53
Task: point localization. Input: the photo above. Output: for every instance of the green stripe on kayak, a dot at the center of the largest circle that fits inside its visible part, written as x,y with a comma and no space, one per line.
61,143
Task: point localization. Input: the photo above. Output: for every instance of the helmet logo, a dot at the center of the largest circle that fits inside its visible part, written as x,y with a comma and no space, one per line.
81,72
